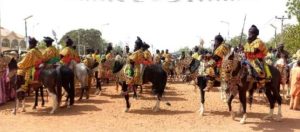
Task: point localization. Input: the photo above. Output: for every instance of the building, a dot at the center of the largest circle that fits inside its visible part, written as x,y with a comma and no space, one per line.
11,40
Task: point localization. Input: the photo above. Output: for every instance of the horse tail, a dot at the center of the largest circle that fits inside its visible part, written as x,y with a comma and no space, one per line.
59,86
72,88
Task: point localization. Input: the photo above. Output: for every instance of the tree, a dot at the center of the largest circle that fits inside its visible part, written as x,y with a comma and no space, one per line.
291,38
235,41
274,42
293,8
90,38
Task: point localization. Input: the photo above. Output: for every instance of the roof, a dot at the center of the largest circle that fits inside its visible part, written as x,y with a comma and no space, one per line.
6,33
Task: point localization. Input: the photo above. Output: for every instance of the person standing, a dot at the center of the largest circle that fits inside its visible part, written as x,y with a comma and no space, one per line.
295,87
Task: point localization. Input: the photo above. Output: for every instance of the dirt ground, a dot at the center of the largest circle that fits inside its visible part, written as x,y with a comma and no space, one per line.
106,113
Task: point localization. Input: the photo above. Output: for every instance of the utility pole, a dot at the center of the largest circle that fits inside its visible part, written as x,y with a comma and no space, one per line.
275,35
26,37
282,19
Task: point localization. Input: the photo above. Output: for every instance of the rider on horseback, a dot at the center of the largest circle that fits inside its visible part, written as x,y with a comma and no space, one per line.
147,54
196,54
167,61
29,65
255,51
68,53
51,54
208,70
219,52
157,57
137,59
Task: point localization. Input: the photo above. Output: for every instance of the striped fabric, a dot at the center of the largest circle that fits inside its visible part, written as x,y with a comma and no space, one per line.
50,53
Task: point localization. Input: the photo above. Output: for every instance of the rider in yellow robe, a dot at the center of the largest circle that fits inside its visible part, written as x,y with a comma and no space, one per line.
27,65
157,57
147,55
196,54
68,53
221,50
255,51
137,57
51,54
167,61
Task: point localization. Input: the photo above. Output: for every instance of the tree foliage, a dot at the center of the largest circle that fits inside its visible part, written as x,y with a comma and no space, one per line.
235,41
90,38
293,8
291,38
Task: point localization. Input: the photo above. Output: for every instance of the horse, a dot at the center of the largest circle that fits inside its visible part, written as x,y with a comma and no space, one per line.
284,70
54,78
83,74
238,81
194,67
153,73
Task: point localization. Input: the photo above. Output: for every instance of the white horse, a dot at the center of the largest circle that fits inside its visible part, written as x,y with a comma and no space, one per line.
82,74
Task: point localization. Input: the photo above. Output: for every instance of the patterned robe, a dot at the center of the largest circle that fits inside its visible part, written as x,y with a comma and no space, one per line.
148,57
221,52
69,54
51,55
252,57
28,65
138,58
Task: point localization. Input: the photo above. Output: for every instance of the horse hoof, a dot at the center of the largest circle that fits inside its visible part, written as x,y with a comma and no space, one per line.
268,117
34,108
126,110
51,113
23,110
232,115
14,112
155,109
242,121
68,106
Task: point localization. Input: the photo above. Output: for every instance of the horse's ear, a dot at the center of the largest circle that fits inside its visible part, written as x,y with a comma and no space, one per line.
231,56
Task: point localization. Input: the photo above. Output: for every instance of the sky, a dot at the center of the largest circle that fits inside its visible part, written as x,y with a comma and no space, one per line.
160,23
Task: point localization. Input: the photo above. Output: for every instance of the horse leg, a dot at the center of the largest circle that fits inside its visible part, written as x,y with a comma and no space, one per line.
279,101
272,103
126,95
55,103
23,105
81,94
243,101
251,92
230,107
141,86
17,102
157,105
42,95
201,84
36,99
135,96
87,91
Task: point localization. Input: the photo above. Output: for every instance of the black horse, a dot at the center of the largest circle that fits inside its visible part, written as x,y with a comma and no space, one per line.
201,82
52,77
239,80
152,73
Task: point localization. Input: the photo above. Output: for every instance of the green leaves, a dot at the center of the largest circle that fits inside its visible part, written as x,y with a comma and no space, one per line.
90,38
293,8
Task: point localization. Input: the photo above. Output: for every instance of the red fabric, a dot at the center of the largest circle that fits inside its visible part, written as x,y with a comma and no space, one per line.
252,56
219,63
37,74
147,62
66,59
